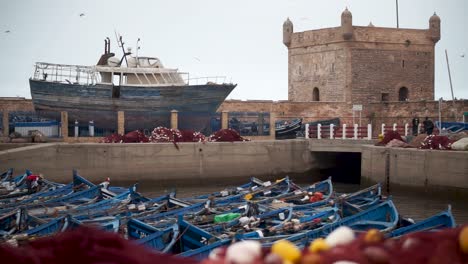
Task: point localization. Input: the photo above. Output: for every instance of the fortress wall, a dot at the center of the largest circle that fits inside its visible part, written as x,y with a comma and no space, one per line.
375,113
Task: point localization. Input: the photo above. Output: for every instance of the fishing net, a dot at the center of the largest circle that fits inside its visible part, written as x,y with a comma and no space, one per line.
389,136
114,138
436,142
226,135
135,137
164,134
191,136
85,245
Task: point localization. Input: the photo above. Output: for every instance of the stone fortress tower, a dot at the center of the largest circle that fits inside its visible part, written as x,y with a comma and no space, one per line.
360,65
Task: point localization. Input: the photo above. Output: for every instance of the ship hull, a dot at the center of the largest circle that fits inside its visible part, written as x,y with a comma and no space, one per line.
144,107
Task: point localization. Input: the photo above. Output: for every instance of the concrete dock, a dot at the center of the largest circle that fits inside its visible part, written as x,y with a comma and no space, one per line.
217,160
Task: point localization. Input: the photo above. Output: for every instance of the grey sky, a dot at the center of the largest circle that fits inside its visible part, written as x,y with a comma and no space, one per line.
240,39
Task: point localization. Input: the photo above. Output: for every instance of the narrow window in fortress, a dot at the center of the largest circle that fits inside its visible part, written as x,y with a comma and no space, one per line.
333,67
402,63
384,97
316,95
403,94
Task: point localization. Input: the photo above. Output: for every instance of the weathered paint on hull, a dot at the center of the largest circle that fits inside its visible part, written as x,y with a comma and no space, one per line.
144,107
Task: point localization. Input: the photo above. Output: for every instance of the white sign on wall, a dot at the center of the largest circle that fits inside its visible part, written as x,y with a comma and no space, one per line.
357,107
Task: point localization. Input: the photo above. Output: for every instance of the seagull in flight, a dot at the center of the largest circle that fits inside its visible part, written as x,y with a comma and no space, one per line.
196,58
82,15
7,31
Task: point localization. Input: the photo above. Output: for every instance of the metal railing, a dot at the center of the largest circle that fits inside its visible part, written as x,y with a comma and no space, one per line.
62,73
207,80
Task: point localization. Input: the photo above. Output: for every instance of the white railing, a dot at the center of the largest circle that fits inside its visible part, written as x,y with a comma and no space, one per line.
329,131
207,80
355,131
71,74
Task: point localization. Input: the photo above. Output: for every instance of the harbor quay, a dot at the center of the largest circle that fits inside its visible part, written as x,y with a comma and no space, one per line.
199,162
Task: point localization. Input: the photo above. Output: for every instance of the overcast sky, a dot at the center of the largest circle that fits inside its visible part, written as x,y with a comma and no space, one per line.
240,39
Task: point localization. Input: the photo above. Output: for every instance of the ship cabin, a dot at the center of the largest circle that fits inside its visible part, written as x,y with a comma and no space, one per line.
140,71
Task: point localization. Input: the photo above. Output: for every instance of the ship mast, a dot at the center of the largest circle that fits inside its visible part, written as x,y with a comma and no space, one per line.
121,45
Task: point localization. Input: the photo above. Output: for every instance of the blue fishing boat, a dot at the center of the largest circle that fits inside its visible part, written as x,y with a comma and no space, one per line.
441,220
6,176
383,217
287,129
302,196
359,201
156,239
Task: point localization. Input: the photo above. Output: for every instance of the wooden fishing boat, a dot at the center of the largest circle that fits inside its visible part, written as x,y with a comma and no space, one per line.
145,90
443,219
6,176
383,217
359,201
160,240
287,129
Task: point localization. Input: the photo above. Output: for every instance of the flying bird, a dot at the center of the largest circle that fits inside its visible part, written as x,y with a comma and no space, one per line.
82,15
196,58
462,55
7,31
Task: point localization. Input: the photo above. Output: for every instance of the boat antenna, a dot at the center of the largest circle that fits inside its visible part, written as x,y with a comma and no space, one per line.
121,45
108,45
137,48
105,46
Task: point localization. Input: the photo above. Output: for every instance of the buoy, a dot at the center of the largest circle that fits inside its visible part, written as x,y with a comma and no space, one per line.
286,250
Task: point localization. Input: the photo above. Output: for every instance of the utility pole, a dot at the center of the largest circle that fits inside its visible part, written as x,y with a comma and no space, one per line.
451,86
397,21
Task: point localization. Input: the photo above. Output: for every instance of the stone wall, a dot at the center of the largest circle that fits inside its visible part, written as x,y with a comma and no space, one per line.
378,71
373,113
162,161
16,104
414,167
371,66
321,67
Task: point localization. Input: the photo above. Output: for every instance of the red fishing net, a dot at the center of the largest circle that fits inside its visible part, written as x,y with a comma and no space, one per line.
164,134
436,142
135,137
114,138
226,135
85,245
389,136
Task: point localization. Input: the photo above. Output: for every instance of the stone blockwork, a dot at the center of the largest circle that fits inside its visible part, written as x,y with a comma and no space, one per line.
15,104
361,64
373,113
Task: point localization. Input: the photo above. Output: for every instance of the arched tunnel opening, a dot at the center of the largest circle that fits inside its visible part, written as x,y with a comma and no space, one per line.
343,167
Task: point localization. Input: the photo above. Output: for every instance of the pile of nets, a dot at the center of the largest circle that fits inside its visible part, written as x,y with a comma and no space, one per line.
164,134
226,135
389,136
436,142
343,245
191,136
135,137
168,135
114,138
85,245
131,137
